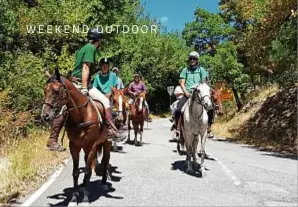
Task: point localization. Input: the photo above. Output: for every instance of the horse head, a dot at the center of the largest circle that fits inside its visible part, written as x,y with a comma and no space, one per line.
56,96
118,101
140,101
202,95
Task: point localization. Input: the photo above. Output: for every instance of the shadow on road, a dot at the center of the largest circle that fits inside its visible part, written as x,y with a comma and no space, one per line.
180,165
274,154
268,152
96,189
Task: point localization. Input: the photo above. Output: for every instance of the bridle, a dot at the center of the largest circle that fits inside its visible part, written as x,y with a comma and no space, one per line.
57,107
112,100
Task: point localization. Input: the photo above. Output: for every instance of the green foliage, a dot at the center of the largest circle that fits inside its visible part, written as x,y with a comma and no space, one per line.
207,30
212,30
261,39
225,66
284,53
26,82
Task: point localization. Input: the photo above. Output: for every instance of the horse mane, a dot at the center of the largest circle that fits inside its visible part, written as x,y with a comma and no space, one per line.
56,78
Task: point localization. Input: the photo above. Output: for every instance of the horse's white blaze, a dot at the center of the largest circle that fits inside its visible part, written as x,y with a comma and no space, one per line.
120,103
43,106
141,104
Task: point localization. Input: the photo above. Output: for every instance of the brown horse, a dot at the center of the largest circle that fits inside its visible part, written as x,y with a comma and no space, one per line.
83,128
137,116
119,102
217,100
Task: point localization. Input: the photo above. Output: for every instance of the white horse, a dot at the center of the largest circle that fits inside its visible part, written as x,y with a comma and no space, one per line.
195,125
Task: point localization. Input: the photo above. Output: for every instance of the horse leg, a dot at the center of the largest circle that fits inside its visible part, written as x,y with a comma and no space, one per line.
189,169
194,151
89,156
75,154
203,141
106,162
128,137
136,129
141,132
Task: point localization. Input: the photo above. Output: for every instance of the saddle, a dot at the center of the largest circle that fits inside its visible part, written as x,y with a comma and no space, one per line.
99,108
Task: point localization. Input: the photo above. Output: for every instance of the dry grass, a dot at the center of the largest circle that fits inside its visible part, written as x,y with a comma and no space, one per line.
228,127
160,115
29,164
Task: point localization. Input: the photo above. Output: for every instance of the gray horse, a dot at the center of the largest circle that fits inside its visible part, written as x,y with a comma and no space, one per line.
195,125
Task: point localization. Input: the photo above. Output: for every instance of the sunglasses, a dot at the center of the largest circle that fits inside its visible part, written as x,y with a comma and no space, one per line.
192,58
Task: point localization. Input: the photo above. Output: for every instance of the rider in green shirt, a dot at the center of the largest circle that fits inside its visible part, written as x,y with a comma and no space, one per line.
84,68
189,76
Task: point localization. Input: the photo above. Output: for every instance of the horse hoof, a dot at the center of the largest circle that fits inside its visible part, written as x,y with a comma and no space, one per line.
86,199
105,188
189,171
74,198
197,166
202,173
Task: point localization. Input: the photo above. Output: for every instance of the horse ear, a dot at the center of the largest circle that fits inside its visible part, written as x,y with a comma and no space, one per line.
57,74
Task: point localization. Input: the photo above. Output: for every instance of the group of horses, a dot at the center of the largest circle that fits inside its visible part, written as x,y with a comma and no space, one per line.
126,114
86,128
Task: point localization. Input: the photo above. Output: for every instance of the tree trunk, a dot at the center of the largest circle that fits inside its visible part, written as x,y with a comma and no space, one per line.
238,101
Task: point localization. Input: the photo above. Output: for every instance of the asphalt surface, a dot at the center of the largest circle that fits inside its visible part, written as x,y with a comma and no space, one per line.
153,175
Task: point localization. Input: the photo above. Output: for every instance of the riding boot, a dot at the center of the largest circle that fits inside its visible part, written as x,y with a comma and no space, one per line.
52,143
112,130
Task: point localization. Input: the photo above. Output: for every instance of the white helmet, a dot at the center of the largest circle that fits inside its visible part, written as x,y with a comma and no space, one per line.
194,54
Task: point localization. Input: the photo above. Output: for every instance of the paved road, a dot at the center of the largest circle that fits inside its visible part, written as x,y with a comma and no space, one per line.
154,175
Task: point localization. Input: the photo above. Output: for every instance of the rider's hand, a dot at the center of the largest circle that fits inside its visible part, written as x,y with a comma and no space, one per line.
187,94
85,91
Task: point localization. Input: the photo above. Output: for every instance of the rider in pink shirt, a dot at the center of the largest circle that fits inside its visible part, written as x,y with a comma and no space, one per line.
135,88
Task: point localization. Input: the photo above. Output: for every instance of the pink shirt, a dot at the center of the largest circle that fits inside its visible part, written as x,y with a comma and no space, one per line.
137,87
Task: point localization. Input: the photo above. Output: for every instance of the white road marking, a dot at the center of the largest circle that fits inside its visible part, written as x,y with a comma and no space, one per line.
72,204
230,173
44,187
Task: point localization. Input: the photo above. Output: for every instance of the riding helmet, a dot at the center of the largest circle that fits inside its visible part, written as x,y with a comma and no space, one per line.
94,34
104,61
194,54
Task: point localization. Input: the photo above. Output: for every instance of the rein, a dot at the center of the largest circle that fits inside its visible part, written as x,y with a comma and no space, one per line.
54,106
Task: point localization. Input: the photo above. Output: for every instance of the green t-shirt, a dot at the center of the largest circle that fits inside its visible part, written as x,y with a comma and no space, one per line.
105,83
86,54
193,76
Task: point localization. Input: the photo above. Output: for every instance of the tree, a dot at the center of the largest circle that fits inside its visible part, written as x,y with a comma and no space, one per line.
211,29
207,31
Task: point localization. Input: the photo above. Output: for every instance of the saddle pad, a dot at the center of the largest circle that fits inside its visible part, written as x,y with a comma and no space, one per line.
184,106
98,106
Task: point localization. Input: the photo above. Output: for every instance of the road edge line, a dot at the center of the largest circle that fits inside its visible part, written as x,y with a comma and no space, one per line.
45,186
229,173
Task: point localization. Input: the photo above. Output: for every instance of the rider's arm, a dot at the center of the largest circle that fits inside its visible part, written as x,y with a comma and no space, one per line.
182,84
144,88
183,76
130,89
121,83
85,74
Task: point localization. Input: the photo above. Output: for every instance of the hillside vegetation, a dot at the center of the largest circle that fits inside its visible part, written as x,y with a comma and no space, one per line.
248,44
268,121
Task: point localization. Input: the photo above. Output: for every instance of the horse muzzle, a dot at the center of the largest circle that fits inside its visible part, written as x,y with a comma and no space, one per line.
47,114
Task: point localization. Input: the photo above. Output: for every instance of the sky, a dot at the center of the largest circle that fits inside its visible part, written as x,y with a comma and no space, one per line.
175,13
